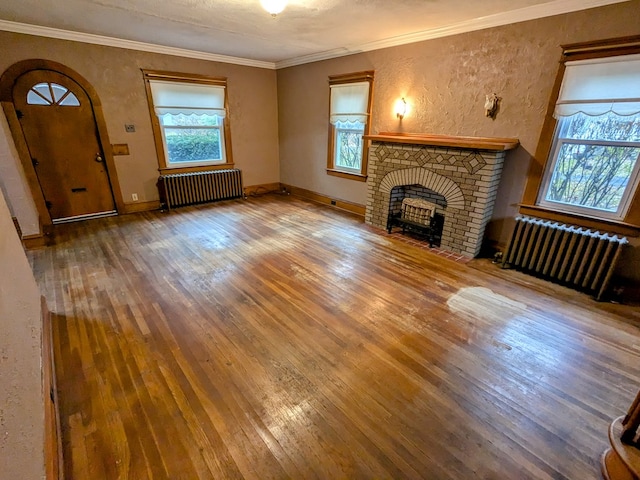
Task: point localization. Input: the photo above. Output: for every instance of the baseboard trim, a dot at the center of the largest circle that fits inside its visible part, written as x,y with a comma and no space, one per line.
140,207
351,207
37,240
255,190
17,225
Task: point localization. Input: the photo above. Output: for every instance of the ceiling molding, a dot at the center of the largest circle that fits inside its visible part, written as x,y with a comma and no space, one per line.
49,32
556,7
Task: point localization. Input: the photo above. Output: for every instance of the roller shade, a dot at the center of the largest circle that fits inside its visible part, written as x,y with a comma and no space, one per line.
349,102
596,87
187,98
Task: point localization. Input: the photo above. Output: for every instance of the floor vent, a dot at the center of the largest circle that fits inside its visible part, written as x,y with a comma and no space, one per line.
177,190
579,258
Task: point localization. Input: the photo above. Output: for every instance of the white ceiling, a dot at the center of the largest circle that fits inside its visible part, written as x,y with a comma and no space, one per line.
306,30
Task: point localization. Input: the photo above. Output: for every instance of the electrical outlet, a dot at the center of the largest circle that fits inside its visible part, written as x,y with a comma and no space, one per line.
134,197
129,128
333,202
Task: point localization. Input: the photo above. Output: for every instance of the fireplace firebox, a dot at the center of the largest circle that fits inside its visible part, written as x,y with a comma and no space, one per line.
419,216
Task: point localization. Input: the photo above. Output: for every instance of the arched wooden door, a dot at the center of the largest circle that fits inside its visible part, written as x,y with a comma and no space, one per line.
60,130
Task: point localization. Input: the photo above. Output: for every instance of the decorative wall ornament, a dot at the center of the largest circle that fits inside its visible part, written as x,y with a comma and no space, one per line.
491,105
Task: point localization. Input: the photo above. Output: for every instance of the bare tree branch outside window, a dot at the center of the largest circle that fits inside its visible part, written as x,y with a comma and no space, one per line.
349,146
595,160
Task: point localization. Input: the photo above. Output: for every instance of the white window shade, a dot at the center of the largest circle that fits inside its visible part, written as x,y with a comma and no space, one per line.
349,102
187,98
596,87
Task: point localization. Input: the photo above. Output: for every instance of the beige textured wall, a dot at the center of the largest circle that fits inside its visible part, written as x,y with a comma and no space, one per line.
116,76
21,398
445,81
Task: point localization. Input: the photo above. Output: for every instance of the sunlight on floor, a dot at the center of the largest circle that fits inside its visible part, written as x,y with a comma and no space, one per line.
484,303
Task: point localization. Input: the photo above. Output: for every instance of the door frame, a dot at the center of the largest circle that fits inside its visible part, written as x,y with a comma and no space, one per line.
7,81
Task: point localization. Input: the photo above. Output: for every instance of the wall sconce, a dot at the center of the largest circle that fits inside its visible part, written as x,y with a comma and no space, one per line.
401,108
274,7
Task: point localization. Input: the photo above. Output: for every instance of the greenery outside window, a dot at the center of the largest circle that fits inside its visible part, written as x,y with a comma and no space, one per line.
349,113
190,121
192,138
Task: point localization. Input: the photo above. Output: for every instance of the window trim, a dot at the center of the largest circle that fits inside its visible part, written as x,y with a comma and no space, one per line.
158,131
630,223
361,175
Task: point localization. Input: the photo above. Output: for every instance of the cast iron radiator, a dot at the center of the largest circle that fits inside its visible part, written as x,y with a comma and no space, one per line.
177,190
573,256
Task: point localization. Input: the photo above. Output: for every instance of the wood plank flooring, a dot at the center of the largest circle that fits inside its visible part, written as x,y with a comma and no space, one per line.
273,338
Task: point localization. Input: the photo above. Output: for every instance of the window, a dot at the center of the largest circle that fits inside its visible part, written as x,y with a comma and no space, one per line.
190,121
585,169
593,165
350,109
192,138
51,94
348,146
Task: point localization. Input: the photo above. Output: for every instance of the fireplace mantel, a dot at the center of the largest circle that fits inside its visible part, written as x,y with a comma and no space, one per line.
472,143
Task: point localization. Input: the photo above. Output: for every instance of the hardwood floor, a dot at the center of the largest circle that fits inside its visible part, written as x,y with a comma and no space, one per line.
273,338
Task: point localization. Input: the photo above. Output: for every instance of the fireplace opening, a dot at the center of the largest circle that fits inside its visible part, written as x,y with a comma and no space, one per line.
417,210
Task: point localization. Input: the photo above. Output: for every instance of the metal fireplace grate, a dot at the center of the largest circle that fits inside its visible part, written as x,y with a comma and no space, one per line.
418,216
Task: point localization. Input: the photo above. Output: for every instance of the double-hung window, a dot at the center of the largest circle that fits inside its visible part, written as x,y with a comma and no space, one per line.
190,120
349,119
594,162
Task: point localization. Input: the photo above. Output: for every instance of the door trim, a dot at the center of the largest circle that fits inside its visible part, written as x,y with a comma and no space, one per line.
7,81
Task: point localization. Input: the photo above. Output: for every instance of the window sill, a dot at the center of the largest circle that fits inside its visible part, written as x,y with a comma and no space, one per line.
351,176
202,168
613,226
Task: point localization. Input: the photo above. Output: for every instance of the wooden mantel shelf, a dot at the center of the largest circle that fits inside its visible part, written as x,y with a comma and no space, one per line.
474,143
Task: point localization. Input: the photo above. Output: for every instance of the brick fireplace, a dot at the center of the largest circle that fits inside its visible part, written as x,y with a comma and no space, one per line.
459,174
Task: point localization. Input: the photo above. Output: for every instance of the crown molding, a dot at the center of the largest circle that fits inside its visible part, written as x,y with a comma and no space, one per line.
556,7
49,32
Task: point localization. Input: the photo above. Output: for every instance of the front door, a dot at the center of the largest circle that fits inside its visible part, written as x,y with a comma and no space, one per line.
60,130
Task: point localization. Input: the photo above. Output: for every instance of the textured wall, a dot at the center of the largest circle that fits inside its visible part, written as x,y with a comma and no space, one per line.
445,81
21,400
115,74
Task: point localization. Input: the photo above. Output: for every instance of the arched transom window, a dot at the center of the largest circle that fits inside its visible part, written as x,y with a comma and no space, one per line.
51,94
